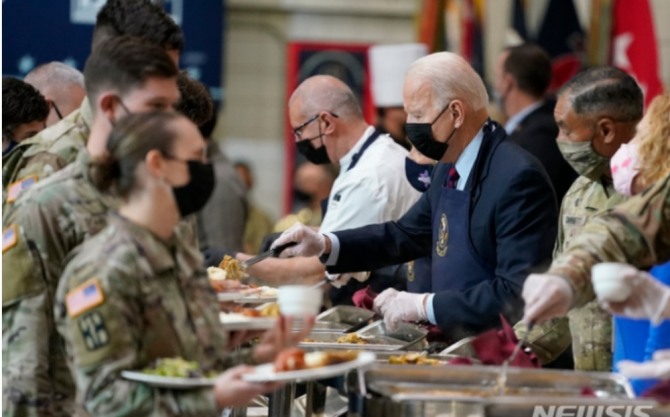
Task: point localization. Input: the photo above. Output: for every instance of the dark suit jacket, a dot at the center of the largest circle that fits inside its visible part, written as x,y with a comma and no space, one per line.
537,134
513,224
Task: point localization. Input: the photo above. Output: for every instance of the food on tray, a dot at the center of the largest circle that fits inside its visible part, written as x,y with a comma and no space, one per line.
413,359
177,368
352,338
220,283
270,310
233,268
296,359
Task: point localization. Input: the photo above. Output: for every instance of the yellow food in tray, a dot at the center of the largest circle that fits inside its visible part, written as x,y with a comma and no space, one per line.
352,338
233,268
413,359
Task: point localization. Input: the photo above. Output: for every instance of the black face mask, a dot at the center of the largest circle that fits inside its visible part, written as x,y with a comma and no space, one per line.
193,196
418,175
421,136
314,155
301,196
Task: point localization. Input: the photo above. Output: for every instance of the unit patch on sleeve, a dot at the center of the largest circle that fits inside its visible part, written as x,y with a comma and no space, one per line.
93,330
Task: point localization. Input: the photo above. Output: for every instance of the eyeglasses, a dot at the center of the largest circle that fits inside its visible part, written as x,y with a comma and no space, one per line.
297,132
58,113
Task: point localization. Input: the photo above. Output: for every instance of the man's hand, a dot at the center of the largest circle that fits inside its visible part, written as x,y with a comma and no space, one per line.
309,242
281,337
657,368
648,299
340,280
546,296
231,391
396,306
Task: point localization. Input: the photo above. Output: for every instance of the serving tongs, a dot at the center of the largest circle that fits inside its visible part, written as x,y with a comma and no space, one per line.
502,378
272,253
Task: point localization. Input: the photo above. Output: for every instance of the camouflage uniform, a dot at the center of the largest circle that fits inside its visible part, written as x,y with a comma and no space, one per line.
636,232
42,228
154,302
47,152
590,326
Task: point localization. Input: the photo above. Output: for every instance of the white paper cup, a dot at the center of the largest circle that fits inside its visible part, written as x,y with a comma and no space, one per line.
608,282
299,301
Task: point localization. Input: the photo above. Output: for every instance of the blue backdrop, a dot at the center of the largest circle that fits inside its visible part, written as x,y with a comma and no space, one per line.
39,31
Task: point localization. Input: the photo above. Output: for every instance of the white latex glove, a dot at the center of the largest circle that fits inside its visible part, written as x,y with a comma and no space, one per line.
657,368
340,280
648,299
310,243
396,306
546,296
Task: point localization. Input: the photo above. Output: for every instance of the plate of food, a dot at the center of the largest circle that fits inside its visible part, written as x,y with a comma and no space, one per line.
297,365
174,373
261,294
261,318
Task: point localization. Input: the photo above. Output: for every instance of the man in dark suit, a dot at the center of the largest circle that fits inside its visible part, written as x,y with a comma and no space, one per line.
488,218
522,76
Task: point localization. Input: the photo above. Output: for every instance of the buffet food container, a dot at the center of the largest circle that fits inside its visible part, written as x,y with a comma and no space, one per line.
472,391
342,319
405,337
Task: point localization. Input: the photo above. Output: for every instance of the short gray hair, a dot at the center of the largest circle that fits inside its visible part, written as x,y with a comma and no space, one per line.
327,93
54,75
452,78
605,91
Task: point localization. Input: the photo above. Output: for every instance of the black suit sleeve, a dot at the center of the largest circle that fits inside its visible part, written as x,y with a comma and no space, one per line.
372,247
525,230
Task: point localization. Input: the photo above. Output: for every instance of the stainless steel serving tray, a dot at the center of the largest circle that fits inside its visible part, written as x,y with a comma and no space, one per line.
341,319
418,391
383,357
415,383
407,336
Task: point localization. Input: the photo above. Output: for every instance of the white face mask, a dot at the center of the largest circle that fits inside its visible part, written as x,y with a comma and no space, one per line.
624,166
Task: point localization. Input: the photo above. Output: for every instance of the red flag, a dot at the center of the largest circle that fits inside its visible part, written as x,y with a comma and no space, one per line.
634,48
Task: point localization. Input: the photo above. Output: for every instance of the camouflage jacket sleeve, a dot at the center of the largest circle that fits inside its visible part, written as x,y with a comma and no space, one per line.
636,232
27,304
105,337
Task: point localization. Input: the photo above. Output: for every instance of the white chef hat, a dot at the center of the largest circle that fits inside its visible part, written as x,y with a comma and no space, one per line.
388,66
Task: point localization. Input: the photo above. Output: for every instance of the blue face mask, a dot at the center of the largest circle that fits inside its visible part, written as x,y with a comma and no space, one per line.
418,175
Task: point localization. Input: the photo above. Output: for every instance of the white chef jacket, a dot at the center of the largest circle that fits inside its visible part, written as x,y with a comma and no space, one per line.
374,191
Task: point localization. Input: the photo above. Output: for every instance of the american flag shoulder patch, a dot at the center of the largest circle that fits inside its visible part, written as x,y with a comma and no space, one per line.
16,188
84,297
10,237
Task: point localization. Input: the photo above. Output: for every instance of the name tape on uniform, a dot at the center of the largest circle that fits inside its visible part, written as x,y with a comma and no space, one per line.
84,297
16,188
10,237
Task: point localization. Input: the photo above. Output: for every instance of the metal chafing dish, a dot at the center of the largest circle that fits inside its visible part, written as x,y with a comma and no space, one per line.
405,337
410,390
342,319
383,357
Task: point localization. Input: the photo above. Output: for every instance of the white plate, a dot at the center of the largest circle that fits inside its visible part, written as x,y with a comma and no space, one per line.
248,296
228,296
235,321
266,373
166,381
